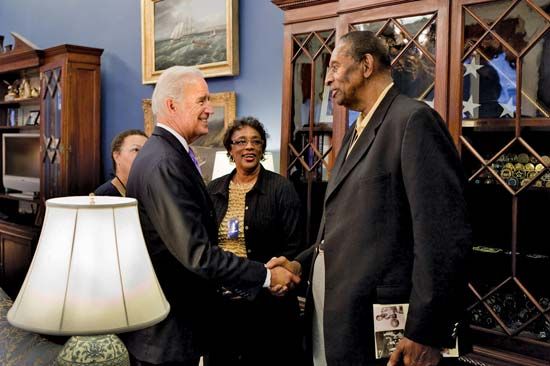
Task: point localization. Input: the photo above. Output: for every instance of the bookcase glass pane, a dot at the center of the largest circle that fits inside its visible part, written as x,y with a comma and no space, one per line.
413,73
490,11
507,168
535,86
520,25
413,24
489,86
301,90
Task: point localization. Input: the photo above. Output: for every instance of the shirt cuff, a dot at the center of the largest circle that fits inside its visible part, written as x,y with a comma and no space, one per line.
267,282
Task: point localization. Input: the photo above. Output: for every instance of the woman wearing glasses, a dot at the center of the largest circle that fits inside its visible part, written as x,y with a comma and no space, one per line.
124,149
258,213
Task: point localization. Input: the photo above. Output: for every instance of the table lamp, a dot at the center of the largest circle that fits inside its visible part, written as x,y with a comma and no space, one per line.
91,276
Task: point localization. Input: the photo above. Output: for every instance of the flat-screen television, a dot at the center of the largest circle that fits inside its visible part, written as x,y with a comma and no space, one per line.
21,162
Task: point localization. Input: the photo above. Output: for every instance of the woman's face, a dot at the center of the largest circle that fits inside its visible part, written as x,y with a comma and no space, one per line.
127,153
246,149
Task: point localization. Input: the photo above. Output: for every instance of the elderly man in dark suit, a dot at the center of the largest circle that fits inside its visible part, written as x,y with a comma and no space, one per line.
395,226
179,226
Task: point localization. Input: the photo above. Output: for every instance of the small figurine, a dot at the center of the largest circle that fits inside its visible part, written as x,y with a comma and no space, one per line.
35,92
12,91
25,88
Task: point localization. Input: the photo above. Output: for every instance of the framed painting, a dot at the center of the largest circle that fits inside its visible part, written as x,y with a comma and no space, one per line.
189,33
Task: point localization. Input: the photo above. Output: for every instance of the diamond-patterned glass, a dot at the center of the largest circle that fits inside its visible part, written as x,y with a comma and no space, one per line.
544,5
490,264
395,39
512,306
323,100
520,25
313,45
302,90
538,330
535,86
490,11
413,72
489,82
415,23
473,31
533,258
427,38
517,167
482,318
370,26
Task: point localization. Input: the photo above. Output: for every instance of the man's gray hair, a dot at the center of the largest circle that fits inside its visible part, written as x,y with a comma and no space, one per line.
171,84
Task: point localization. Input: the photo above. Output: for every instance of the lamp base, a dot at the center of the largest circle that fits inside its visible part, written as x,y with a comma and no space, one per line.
104,350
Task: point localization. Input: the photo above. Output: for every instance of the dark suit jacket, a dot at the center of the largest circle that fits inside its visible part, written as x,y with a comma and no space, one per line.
179,226
395,230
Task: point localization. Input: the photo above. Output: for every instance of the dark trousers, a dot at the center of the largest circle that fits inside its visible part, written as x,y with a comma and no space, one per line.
264,332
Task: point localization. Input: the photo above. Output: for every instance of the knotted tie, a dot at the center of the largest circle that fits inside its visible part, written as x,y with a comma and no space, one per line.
195,161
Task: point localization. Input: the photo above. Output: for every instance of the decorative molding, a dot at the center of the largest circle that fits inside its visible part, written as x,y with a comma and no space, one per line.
293,4
24,54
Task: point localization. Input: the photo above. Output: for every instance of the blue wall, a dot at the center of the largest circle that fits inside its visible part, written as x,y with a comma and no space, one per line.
115,26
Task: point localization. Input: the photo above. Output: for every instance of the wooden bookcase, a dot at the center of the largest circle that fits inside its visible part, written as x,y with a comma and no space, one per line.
484,65
65,84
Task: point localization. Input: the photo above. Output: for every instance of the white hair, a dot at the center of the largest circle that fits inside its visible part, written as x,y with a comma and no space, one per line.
171,84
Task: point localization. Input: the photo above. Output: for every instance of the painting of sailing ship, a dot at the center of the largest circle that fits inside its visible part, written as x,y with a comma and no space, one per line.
192,33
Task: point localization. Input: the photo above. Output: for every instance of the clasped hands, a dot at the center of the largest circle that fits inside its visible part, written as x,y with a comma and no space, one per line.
285,275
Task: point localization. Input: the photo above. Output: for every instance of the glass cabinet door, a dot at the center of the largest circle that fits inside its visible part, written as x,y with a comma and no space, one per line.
412,44
51,132
416,35
311,118
503,112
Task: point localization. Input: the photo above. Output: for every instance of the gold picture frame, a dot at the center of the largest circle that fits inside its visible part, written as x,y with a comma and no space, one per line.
225,111
203,33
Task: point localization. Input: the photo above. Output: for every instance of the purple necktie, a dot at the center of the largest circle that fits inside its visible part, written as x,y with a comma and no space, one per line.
192,156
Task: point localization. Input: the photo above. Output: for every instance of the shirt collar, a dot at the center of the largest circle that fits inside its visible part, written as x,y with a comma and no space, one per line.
362,121
176,135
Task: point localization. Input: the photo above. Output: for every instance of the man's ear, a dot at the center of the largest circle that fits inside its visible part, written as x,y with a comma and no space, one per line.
367,64
169,105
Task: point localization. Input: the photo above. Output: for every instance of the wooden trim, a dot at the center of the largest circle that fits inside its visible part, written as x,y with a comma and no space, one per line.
509,358
318,12
354,5
294,4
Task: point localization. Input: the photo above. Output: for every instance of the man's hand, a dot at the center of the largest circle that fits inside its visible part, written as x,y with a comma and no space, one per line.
282,280
409,353
294,266
276,265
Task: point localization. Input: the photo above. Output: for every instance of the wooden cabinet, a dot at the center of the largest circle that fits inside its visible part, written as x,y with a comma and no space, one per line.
484,65
61,106
17,244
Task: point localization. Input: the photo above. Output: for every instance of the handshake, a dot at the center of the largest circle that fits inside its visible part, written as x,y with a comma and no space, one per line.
285,275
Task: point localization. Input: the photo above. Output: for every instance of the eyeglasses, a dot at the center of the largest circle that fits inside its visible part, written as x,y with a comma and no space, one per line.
243,143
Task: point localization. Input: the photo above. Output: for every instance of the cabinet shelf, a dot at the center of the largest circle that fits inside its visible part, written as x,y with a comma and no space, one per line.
18,102
19,128
10,197
318,128
505,123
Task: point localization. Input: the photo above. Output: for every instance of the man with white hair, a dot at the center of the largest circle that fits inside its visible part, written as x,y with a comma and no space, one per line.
179,226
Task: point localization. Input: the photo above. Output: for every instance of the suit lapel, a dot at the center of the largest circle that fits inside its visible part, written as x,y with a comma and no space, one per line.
362,145
173,141
340,159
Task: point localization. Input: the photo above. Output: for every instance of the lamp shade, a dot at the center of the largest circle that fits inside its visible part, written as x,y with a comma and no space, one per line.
91,273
